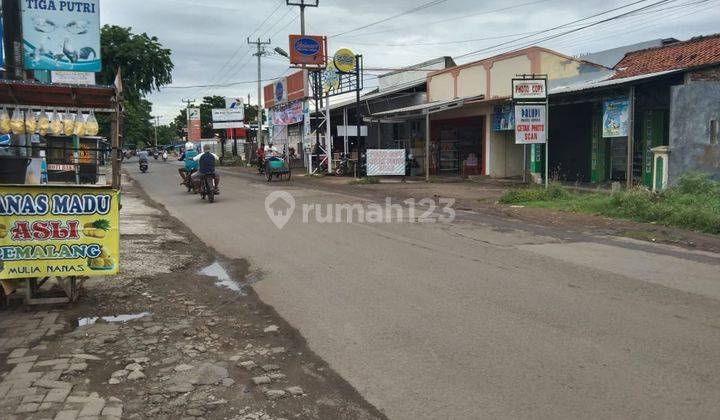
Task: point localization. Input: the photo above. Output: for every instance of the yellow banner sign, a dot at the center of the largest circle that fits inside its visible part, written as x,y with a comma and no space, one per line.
47,231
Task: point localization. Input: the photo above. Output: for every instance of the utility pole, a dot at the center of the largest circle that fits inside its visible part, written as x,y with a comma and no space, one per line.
157,122
187,103
260,52
302,4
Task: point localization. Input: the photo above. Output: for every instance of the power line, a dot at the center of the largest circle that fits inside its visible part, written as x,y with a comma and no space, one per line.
413,10
460,17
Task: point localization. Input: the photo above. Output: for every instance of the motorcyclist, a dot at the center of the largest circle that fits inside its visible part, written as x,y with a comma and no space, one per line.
143,156
165,155
206,167
260,152
188,157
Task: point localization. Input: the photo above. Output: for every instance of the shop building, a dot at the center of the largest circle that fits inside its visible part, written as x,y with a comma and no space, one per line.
469,113
285,101
647,121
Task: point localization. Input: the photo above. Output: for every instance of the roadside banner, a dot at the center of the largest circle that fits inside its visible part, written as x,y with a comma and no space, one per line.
228,114
72,77
530,124
382,162
291,113
60,231
61,35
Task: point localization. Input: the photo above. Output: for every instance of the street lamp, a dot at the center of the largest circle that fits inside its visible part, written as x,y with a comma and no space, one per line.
282,52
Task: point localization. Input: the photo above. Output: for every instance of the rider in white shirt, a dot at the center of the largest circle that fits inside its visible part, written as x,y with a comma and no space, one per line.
271,151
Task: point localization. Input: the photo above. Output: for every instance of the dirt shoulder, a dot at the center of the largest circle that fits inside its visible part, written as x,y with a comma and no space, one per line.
187,345
481,196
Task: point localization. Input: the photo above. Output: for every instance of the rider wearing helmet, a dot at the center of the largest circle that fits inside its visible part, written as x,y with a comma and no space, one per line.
206,166
190,164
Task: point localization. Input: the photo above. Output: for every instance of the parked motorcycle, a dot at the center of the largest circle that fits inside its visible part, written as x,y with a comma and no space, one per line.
344,165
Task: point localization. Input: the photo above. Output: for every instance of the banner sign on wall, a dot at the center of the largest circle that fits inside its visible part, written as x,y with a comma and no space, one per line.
58,232
381,162
307,50
194,126
72,77
530,124
61,35
503,118
291,113
535,89
615,118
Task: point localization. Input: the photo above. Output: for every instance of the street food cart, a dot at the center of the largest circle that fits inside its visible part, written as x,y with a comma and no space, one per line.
58,218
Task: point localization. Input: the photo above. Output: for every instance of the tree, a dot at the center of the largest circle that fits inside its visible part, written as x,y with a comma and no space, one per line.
145,67
167,134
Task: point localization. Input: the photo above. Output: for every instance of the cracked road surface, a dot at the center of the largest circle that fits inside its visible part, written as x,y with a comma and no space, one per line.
480,318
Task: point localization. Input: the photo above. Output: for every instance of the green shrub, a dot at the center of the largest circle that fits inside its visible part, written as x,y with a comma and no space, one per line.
535,193
697,183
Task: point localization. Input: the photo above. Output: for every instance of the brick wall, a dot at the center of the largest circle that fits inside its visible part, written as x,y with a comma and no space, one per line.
710,74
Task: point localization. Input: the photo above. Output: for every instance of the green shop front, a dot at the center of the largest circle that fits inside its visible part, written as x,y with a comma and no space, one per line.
605,132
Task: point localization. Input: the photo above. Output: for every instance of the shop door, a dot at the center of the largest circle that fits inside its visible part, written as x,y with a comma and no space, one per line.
456,142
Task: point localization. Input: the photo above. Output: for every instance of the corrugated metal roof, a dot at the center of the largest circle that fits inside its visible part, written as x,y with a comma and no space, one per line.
605,81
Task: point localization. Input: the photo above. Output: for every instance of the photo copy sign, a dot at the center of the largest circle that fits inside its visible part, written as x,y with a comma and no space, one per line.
529,89
61,35
530,124
382,162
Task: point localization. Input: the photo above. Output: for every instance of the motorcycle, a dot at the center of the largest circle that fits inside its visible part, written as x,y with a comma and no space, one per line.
187,181
344,166
156,155
143,166
207,187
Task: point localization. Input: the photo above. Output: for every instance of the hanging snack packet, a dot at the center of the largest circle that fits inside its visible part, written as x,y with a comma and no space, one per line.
56,126
91,125
4,122
30,121
68,123
17,124
79,129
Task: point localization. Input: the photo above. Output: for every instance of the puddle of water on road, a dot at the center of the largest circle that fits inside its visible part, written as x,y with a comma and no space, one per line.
118,318
223,278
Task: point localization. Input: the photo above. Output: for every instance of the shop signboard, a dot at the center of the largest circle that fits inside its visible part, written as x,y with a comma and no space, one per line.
530,89
615,118
291,113
307,50
345,60
72,77
234,103
530,124
194,127
228,115
60,231
382,162
503,118
61,35
226,125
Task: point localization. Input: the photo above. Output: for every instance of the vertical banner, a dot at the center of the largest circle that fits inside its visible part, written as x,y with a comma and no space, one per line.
58,232
61,35
194,126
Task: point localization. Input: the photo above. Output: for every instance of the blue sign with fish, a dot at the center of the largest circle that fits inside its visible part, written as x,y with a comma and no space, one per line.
61,35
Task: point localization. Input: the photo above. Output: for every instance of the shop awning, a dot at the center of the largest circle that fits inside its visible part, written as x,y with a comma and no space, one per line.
421,110
30,94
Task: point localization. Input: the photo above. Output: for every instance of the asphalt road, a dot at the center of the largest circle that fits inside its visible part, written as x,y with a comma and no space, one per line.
479,318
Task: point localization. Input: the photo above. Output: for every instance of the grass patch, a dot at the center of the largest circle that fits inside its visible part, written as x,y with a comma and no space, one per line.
693,204
368,180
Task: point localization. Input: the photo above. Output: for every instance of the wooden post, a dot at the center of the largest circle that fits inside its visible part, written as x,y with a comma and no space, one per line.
630,138
115,122
427,147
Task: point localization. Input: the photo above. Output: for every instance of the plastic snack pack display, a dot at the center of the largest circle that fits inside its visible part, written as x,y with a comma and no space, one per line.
79,129
17,123
56,125
68,123
4,122
91,125
30,121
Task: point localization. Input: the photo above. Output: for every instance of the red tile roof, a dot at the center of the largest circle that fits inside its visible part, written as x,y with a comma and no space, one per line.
696,52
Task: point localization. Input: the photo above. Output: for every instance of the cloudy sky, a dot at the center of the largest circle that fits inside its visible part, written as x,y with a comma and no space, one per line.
208,37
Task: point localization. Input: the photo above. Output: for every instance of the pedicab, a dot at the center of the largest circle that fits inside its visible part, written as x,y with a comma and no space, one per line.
278,168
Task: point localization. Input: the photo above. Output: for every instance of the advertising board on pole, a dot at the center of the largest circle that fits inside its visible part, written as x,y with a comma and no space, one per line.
530,89
530,124
228,115
381,162
344,60
61,35
307,50
61,231
234,103
194,126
